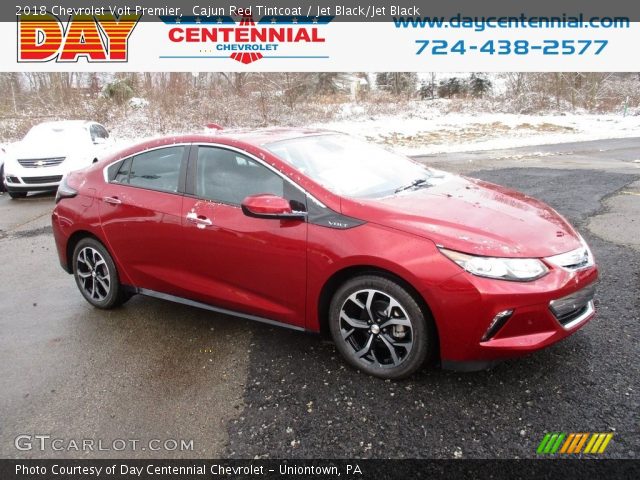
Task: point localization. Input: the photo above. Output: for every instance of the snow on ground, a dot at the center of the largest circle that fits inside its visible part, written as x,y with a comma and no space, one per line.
439,126
460,132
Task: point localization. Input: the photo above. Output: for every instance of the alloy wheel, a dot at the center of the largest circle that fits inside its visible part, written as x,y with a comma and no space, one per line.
93,274
377,328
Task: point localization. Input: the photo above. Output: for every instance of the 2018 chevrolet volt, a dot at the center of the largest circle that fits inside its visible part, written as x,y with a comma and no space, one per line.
318,231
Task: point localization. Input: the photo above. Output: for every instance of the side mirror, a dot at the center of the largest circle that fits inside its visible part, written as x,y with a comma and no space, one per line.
99,141
266,205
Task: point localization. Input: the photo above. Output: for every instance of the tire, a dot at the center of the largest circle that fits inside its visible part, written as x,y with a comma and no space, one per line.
2,187
15,195
96,275
395,342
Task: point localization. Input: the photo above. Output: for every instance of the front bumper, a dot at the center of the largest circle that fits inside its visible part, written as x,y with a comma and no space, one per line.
529,315
33,183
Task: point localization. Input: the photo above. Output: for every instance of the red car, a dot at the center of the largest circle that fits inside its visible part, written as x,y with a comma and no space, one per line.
320,232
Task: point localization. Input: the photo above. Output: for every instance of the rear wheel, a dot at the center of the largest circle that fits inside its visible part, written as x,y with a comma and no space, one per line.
96,275
378,326
17,194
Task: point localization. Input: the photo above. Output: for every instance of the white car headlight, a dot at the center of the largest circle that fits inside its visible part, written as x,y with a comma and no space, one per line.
514,269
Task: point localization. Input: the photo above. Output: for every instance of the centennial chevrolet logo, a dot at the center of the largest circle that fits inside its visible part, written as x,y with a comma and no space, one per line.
574,443
97,38
247,41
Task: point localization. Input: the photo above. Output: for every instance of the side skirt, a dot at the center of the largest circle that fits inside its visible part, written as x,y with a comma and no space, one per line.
193,303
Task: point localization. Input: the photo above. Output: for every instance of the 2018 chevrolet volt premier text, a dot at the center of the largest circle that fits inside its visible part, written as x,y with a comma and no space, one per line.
321,232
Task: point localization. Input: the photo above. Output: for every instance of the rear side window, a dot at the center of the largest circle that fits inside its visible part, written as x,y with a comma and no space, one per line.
113,169
155,170
123,172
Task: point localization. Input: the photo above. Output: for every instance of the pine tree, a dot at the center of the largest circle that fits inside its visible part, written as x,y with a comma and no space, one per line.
397,82
450,88
479,85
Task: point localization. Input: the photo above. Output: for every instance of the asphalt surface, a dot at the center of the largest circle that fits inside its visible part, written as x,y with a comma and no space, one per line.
150,371
156,370
615,155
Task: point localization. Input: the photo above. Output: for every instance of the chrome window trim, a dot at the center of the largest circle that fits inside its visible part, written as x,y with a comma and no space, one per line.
263,163
217,145
106,167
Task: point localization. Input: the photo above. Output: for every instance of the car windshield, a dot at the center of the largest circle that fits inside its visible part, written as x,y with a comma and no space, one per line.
349,167
57,134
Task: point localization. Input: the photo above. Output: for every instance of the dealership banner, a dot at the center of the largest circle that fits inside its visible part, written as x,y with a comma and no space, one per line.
319,36
196,469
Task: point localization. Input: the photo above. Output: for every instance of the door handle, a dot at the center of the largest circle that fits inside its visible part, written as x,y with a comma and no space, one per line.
112,200
199,220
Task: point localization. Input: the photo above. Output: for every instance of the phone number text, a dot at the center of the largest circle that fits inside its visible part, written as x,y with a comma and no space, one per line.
512,47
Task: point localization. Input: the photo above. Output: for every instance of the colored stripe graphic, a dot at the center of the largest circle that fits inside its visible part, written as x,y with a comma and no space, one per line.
550,443
598,442
582,442
604,445
569,441
543,443
573,443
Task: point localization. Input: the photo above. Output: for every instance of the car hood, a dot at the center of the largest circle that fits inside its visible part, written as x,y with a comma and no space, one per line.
36,150
472,216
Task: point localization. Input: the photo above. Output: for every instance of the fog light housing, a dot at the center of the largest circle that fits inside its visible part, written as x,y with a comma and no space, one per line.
496,324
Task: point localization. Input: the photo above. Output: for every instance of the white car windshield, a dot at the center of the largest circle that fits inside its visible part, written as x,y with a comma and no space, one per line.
59,135
349,167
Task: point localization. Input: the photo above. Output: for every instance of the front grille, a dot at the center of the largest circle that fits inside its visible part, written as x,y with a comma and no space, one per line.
41,180
40,162
574,260
571,308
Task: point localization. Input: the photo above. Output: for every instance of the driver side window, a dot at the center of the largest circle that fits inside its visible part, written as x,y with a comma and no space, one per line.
229,177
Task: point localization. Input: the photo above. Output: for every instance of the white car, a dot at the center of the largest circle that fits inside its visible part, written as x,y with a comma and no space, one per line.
49,151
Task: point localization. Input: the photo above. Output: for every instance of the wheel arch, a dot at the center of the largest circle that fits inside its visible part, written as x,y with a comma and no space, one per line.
341,276
74,239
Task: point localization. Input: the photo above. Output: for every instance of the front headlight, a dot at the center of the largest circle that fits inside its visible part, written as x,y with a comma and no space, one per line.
575,259
514,269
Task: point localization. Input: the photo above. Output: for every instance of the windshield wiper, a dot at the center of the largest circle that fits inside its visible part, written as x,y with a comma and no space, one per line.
420,182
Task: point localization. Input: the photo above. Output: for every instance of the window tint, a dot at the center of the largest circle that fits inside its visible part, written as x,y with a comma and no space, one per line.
229,177
155,170
347,166
113,169
98,131
123,172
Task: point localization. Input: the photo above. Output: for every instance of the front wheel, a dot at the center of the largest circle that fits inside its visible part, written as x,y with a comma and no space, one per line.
96,275
378,326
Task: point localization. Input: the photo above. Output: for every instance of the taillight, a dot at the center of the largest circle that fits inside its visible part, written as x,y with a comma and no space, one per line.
65,191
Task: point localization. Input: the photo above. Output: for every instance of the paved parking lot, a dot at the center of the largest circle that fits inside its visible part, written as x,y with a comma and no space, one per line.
155,370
